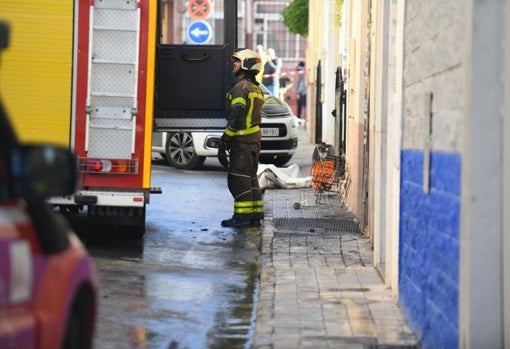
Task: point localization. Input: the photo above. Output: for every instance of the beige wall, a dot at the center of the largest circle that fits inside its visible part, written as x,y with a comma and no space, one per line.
312,58
325,44
374,72
356,103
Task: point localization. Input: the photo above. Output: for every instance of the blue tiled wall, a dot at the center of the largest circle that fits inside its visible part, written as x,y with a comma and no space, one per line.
429,247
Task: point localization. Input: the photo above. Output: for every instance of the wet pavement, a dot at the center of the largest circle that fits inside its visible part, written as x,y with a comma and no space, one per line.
189,283
149,304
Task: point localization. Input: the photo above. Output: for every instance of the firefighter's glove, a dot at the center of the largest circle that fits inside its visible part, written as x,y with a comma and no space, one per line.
223,153
225,138
225,145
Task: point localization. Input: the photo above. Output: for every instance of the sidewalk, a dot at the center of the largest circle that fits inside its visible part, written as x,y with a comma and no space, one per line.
318,285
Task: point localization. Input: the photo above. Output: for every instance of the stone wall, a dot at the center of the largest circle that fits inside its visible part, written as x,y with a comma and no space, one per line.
432,128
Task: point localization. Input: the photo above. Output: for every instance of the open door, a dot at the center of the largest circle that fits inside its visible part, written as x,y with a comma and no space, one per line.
196,39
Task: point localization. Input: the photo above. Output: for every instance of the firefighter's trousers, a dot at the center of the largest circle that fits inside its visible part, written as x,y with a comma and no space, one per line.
243,182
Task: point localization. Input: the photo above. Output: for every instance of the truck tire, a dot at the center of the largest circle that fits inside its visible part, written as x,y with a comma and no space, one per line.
180,151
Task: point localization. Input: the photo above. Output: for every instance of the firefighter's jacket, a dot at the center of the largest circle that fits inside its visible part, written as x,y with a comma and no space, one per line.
243,106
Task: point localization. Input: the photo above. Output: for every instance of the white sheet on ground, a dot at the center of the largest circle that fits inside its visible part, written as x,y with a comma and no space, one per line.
271,176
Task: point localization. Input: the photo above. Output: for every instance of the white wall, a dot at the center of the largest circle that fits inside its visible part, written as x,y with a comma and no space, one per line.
330,59
378,133
394,140
506,175
481,216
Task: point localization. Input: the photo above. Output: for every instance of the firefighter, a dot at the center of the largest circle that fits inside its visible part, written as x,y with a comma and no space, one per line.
242,138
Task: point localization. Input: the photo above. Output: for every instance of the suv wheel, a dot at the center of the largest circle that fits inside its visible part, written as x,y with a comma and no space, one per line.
180,152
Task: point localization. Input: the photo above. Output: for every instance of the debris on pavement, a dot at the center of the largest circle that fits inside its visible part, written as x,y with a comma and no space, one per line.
271,176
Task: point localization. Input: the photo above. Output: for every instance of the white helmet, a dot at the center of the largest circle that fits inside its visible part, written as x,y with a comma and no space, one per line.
250,60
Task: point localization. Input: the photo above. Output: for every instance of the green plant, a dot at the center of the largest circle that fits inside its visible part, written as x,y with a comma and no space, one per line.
295,17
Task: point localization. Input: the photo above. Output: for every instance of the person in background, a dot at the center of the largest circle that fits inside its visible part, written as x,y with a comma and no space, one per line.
301,89
285,84
263,57
272,70
242,138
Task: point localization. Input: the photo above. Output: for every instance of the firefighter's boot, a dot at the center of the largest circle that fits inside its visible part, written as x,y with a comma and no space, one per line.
236,222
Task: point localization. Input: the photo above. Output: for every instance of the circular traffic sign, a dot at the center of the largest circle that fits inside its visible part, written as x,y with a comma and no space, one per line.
199,9
199,32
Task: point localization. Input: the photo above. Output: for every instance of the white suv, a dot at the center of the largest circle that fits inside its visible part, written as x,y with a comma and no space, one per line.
188,149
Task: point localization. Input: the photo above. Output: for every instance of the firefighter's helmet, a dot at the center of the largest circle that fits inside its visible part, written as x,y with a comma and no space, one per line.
250,60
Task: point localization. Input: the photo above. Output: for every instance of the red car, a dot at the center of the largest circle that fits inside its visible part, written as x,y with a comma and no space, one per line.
48,290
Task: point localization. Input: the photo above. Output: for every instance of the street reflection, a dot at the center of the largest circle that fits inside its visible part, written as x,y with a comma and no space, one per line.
201,295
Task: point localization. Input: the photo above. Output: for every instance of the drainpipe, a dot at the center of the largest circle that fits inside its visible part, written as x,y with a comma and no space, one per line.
318,106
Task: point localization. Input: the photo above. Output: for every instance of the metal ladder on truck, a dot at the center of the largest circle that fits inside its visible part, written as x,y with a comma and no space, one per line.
112,80
111,109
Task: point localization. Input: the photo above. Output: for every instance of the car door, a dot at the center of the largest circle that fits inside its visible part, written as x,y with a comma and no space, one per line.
193,63
18,327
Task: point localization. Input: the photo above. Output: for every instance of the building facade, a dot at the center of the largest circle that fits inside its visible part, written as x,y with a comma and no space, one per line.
426,115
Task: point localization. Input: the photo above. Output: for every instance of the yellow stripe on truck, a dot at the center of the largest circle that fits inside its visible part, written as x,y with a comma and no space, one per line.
151,52
36,69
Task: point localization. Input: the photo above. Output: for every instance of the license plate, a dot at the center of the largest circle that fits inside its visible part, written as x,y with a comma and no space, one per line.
270,132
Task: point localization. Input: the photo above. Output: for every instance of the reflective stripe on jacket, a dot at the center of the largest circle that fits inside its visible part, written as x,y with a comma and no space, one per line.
244,105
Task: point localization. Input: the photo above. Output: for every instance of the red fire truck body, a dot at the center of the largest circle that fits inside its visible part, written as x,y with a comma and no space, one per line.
111,119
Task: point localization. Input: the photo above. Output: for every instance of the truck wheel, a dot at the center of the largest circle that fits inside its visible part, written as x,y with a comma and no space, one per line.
136,226
180,152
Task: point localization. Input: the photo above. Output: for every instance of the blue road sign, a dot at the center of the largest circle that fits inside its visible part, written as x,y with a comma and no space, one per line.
199,32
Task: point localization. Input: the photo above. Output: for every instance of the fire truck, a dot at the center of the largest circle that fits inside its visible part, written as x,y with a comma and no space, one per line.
88,69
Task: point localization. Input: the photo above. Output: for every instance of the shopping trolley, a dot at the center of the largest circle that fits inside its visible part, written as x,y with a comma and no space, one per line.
328,172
